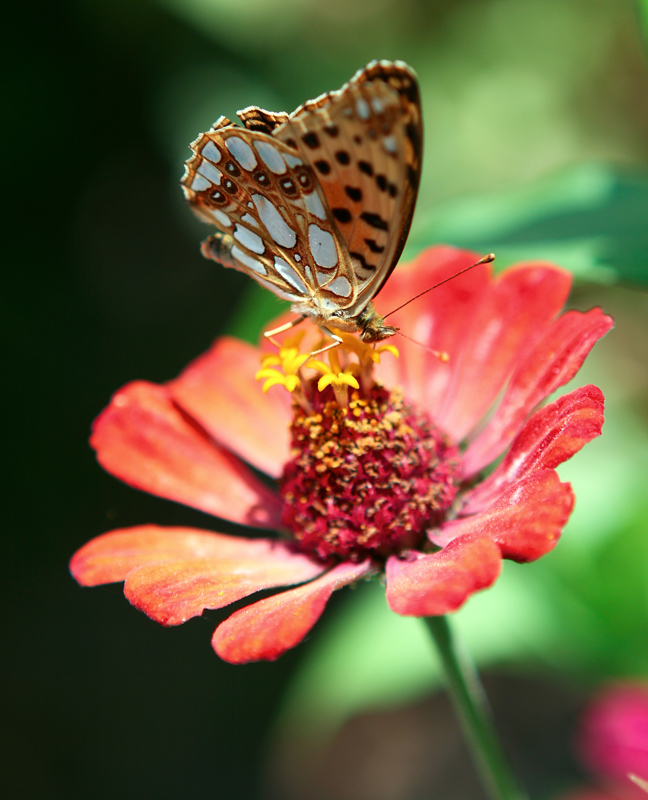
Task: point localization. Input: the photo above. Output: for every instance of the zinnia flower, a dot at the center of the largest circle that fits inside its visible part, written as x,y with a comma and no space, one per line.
381,469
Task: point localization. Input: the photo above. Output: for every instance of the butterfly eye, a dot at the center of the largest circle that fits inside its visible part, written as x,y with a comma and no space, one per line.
304,178
261,178
230,187
218,198
232,169
288,187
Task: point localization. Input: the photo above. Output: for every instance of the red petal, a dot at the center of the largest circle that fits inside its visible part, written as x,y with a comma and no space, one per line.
526,521
437,320
550,363
441,582
552,435
142,438
171,592
219,390
514,310
431,266
265,630
110,557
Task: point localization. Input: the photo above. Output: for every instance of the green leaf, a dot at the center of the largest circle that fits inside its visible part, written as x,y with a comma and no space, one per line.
589,219
643,13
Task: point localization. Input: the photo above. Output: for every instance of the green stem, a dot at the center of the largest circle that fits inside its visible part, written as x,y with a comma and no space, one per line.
472,708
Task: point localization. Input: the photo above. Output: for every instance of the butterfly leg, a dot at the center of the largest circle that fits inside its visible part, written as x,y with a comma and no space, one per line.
337,340
282,328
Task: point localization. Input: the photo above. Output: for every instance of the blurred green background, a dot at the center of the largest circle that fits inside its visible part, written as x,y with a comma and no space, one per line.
536,146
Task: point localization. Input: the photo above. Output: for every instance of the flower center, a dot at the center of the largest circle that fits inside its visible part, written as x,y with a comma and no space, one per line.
366,477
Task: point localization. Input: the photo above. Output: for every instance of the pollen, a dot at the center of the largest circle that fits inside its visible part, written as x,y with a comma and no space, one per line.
367,477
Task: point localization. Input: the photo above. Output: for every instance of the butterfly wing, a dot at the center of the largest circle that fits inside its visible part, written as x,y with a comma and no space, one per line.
314,205
270,215
365,141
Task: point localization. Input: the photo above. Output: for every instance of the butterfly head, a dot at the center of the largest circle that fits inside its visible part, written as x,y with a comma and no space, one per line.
372,325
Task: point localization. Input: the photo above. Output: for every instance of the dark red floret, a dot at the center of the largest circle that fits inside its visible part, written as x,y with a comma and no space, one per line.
368,478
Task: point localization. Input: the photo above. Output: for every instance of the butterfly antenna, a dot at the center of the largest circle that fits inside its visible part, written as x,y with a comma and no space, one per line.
440,354
485,260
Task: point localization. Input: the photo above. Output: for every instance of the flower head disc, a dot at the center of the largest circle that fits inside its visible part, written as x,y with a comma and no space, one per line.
367,478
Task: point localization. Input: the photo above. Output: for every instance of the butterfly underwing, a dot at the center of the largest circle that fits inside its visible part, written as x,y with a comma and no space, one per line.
316,205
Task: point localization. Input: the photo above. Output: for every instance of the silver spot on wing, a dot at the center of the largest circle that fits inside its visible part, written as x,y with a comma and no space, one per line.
274,223
242,152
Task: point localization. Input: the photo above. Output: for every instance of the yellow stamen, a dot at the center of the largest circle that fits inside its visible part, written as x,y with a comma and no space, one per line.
334,374
366,353
275,378
340,379
282,369
285,367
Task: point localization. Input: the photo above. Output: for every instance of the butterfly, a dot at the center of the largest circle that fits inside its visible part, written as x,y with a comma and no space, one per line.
316,205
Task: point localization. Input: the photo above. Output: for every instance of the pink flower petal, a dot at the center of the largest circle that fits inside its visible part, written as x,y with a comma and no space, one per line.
526,521
110,557
613,738
552,435
513,311
437,320
266,629
549,364
430,585
219,390
143,439
171,592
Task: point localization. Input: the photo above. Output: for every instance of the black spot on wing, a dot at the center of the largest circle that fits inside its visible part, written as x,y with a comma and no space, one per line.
323,166
365,167
288,186
359,257
374,247
259,126
381,180
332,130
256,119
310,140
410,90
341,214
354,193
217,198
413,134
375,220
305,178
261,178
343,157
